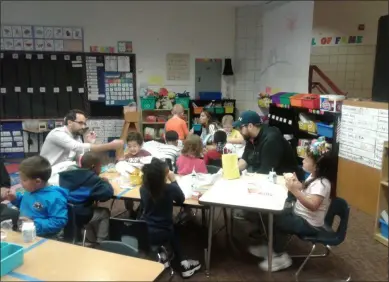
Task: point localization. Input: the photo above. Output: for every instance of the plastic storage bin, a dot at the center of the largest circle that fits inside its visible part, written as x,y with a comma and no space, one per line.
184,101
325,130
210,95
311,101
219,110
197,110
384,228
285,98
229,109
275,98
147,103
12,256
209,109
297,100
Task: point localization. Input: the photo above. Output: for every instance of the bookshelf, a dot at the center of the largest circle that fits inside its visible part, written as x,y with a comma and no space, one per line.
383,196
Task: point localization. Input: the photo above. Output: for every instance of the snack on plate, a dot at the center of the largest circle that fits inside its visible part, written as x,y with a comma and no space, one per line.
136,177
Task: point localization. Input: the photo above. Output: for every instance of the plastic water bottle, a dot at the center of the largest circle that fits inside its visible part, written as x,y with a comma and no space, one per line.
272,177
28,231
194,180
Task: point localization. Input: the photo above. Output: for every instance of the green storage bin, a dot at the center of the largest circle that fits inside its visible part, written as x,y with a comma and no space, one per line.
285,98
184,101
147,103
209,109
219,110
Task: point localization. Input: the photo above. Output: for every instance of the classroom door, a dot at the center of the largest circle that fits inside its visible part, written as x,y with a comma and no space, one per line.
208,74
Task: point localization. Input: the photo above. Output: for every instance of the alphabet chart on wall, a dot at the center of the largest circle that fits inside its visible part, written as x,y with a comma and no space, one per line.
363,132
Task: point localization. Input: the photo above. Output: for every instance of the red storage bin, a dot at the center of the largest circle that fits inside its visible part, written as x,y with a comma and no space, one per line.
311,101
297,100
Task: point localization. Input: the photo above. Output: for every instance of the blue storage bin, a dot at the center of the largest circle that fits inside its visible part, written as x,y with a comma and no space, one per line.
384,228
325,130
12,256
210,95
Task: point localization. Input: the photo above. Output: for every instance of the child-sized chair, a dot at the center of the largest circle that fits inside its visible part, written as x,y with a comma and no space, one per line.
73,230
118,248
134,233
328,237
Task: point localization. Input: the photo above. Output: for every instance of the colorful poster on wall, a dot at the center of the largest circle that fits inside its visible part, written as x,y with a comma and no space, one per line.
124,46
42,38
337,40
102,49
119,90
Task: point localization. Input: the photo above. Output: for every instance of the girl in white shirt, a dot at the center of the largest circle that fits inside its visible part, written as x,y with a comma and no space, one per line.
307,216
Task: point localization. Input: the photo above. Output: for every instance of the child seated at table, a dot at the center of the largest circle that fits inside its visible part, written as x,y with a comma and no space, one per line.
157,200
233,135
134,152
214,153
45,205
306,218
85,189
190,159
177,123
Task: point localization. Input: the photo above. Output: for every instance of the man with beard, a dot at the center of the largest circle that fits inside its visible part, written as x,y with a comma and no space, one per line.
266,149
64,143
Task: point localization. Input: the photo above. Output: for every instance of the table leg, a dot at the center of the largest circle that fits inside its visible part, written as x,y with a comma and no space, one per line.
270,246
210,233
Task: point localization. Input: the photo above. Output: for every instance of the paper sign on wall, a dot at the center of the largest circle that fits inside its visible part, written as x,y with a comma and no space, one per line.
363,132
337,40
178,67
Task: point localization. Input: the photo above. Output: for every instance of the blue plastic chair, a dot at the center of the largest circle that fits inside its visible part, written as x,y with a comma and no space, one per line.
328,236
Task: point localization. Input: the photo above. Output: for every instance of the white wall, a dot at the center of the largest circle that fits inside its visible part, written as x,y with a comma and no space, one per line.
272,50
351,67
205,30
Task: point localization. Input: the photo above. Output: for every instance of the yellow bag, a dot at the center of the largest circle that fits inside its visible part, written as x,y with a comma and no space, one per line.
230,166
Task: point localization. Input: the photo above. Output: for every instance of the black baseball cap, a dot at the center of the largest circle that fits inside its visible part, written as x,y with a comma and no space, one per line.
247,117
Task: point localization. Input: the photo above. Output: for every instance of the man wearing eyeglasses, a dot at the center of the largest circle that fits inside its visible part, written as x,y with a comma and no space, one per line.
64,143
266,148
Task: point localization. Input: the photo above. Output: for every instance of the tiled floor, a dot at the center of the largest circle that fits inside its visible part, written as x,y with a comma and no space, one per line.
360,255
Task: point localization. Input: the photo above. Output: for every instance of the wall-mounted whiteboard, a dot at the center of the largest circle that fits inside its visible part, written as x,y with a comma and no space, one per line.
362,135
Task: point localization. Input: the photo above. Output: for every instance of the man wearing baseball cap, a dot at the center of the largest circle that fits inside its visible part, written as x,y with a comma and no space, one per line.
266,148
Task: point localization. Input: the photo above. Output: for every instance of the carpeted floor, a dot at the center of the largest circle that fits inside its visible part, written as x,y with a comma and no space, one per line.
360,255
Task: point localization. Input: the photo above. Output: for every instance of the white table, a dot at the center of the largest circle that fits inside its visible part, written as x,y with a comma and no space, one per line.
235,194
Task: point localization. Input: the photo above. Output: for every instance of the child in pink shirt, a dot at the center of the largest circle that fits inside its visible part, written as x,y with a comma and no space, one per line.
190,158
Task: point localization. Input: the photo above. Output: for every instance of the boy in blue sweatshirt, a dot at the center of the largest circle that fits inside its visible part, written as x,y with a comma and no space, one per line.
85,189
45,205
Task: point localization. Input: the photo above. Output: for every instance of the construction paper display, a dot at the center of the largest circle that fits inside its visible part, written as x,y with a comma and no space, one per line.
11,140
118,88
41,38
106,128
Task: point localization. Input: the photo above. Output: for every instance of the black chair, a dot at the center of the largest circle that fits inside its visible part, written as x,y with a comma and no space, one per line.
134,233
73,228
328,237
212,169
118,248
216,163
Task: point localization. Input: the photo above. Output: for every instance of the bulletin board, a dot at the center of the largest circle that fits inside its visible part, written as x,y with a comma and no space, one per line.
41,38
111,83
41,84
364,128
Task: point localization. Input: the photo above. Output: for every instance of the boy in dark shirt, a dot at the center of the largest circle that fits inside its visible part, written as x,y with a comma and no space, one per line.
85,188
157,199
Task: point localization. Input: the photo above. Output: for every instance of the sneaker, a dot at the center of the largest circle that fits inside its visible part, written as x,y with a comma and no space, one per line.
279,262
189,267
162,258
259,251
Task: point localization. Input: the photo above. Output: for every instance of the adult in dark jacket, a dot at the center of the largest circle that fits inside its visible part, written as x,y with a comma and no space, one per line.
266,149
85,189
